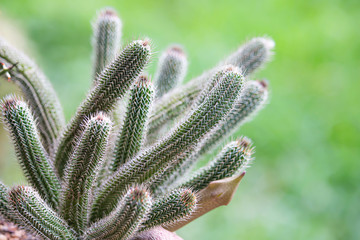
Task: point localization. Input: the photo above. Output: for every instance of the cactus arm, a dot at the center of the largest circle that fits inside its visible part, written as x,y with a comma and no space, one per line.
37,91
125,220
234,157
106,39
171,70
5,208
252,55
35,215
133,130
31,155
81,172
113,82
171,208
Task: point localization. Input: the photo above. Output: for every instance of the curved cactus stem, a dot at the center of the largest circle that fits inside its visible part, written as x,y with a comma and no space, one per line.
106,39
37,90
132,131
34,214
113,82
81,173
171,208
30,152
125,220
216,194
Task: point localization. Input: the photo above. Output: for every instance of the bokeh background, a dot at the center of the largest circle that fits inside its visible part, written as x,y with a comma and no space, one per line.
304,183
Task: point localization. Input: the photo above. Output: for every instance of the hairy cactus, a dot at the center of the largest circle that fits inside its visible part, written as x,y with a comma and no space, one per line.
90,180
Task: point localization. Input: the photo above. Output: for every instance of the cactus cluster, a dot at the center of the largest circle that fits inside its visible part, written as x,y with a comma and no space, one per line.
101,176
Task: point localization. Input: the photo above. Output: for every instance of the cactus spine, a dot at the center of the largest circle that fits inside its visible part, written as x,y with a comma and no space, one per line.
90,180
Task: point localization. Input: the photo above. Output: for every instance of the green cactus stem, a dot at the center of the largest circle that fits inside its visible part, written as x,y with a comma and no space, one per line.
81,173
31,154
133,129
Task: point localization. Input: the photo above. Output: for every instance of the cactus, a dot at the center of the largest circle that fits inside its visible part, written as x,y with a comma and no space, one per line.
90,180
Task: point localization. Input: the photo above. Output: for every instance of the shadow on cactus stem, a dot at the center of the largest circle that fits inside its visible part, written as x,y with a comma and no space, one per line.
90,180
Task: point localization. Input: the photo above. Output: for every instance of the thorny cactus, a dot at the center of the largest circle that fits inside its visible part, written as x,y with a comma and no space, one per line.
96,179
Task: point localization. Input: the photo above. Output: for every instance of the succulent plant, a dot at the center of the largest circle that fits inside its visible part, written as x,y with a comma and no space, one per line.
95,178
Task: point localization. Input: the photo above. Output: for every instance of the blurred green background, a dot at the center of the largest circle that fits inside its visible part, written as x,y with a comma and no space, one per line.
304,181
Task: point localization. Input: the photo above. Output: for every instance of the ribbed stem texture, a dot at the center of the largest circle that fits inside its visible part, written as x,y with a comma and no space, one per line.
38,92
234,157
106,39
152,162
170,208
81,173
133,129
125,220
34,214
171,70
31,154
113,82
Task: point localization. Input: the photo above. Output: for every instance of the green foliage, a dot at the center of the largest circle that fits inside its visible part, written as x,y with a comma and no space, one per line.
74,195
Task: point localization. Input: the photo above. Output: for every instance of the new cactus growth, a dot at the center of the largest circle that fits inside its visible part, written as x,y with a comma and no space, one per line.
90,180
